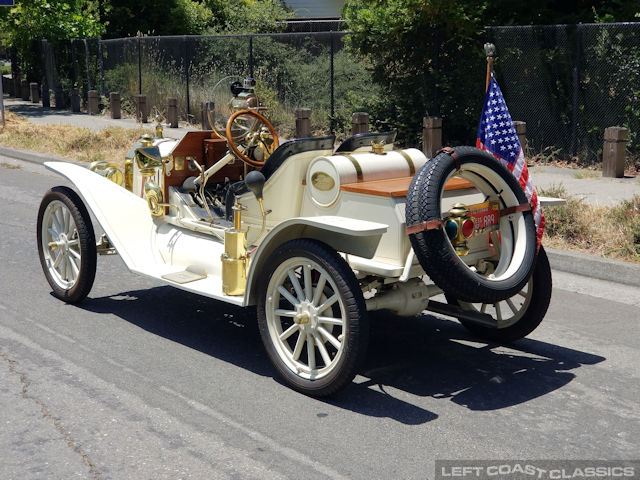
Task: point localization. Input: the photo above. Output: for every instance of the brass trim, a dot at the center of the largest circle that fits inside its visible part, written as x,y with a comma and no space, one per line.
412,167
356,165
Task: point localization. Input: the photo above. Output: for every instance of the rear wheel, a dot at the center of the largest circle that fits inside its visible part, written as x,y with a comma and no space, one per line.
66,244
312,317
519,315
493,262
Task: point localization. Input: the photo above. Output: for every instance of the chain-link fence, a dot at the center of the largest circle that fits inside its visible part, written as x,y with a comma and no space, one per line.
292,70
569,83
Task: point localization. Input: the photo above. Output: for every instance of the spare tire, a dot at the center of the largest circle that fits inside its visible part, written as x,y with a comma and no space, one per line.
498,265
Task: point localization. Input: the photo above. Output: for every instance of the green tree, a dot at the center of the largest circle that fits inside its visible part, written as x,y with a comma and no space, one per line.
426,55
154,17
191,17
31,20
550,12
247,16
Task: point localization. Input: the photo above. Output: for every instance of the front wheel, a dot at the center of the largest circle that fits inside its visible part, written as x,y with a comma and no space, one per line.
66,244
519,315
312,317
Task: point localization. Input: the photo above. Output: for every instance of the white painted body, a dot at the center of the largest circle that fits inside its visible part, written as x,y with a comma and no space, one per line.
153,247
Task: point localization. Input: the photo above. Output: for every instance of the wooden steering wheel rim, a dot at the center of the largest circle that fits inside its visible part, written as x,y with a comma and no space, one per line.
234,147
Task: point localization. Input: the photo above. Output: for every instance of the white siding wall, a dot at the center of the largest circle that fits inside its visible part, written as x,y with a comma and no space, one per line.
315,8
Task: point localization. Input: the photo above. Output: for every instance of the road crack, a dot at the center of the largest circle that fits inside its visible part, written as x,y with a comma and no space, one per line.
46,413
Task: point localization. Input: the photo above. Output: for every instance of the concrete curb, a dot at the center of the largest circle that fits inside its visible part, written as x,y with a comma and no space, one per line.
566,261
591,266
34,157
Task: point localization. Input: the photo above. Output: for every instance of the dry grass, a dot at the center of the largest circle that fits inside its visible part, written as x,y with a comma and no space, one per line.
76,143
612,232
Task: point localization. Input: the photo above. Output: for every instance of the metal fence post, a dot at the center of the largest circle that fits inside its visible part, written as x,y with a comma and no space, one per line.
613,151
139,66
86,60
576,92
436,68
331,79
101,60
251,56
74,62
187,62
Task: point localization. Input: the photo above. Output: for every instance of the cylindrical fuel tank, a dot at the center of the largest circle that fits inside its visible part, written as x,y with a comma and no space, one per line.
326,174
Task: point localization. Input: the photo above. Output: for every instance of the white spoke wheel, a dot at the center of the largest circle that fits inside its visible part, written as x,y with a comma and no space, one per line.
519,315
511,263
66,244
312,317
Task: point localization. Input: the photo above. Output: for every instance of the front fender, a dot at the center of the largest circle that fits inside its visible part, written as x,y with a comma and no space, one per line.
123,216
347,235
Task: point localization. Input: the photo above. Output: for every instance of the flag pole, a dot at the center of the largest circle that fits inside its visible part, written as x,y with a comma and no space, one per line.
490,50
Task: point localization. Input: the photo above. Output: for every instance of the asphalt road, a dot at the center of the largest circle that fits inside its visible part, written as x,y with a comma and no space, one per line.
146,381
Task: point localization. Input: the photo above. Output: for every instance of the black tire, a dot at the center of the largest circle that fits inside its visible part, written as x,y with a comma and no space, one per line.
530,306
433,248
66,244
321,274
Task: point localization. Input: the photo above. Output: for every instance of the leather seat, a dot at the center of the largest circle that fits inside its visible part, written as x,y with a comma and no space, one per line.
275,161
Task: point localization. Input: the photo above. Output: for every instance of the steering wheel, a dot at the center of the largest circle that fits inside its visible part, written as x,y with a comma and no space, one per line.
250,129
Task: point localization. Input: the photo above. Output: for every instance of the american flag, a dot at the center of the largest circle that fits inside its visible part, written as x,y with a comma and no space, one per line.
497,135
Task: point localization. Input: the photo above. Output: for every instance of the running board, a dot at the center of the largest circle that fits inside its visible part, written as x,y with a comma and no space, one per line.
483,319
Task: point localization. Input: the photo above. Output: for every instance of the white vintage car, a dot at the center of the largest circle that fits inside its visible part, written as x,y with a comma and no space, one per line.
313,235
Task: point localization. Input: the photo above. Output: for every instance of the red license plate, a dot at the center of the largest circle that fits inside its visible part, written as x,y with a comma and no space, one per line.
484,215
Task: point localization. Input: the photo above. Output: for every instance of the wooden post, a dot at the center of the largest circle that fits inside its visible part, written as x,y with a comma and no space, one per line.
24,85
613,151
303,122
46,96
205,117
75,100
431,135
35,92
92,102
115,105
59,98
172,112
141,108
521,131
359,122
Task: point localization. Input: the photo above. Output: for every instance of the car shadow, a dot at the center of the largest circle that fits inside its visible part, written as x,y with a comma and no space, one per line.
426,356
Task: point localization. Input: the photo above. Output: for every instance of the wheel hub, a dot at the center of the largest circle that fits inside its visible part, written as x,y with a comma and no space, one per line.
60,243
306,316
